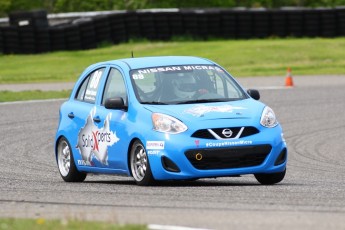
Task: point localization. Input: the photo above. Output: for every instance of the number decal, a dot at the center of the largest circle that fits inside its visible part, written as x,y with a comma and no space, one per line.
138,76
95,79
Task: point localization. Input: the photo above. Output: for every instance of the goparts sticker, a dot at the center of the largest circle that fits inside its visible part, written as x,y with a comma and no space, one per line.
155,144
93,142
153,152
200,110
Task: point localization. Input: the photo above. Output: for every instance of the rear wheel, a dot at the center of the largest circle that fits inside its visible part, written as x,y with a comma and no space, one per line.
270,178
140,166
65,161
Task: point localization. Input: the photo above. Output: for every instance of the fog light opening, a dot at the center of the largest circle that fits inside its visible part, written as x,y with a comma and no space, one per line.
169,165
281,158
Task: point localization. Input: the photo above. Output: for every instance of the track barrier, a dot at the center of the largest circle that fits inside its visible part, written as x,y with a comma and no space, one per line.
31,32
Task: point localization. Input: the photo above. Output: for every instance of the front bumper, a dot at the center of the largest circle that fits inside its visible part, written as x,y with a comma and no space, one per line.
183,157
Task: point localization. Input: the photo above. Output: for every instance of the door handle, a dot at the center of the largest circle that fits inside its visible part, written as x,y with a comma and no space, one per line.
71,115
97,119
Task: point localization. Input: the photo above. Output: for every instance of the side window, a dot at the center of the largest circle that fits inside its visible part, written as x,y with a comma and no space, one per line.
226,88
81,90
115,86
88,89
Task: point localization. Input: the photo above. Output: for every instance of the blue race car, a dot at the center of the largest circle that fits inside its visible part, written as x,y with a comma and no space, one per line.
167,118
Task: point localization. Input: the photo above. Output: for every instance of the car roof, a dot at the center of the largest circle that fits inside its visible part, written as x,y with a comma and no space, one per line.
146,62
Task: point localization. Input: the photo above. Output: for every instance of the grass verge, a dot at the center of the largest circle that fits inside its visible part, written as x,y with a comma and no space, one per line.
255,57
6,96
38,224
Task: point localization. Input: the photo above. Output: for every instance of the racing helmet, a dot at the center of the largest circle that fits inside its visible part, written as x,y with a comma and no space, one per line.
184,85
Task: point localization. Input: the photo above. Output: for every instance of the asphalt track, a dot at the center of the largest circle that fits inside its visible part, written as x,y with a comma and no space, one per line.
312,196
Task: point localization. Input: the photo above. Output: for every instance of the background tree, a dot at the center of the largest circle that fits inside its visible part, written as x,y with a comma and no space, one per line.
58,6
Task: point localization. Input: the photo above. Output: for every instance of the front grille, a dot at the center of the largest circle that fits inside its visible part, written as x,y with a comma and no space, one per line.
227,158
217,133
203,133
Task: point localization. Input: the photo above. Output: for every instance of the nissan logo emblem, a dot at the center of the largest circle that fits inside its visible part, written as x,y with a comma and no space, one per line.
227,133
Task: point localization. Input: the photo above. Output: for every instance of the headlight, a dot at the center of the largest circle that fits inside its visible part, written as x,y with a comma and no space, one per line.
268,118
167,124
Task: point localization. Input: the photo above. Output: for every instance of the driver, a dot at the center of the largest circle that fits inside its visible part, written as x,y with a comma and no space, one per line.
184,86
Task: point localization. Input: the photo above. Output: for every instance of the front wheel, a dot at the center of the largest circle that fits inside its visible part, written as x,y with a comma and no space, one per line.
140,166
270,178
65,161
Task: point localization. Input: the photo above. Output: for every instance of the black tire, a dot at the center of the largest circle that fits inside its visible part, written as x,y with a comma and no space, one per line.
270,178
139,164
65,162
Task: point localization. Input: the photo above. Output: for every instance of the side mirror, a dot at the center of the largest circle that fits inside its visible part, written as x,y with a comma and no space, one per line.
254,94
115,103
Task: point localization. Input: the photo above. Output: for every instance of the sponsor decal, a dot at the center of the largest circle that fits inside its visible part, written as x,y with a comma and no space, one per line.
197,142
174,69
85,163
155,145
153,152
228,143
93,142
201,110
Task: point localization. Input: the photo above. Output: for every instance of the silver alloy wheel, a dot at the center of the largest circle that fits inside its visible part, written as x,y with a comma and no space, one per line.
64,157
138,162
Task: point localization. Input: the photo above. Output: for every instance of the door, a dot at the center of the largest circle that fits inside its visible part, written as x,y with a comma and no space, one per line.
83,123
113,135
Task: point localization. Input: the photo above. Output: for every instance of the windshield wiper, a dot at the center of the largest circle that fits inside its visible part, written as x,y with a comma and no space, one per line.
153,103
203,101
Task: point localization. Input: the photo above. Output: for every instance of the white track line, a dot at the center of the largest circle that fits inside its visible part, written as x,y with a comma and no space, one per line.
32,101
171,227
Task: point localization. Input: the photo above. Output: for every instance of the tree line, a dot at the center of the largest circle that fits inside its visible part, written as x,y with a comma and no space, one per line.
58,6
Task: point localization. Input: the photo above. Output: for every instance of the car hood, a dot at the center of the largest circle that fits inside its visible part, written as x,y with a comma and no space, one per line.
243,109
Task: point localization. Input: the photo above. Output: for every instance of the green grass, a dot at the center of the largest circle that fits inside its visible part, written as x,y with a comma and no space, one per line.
256,57
6,96
38,224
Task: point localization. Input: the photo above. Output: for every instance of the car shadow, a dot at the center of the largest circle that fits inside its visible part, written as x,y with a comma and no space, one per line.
185,183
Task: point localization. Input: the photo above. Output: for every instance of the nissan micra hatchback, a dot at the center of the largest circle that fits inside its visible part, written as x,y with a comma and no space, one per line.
167,118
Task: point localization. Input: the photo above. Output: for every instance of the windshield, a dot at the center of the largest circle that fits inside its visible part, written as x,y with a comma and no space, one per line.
184,84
